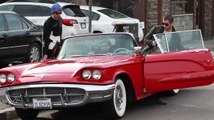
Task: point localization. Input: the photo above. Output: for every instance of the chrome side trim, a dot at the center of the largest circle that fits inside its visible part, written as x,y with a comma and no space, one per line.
81,86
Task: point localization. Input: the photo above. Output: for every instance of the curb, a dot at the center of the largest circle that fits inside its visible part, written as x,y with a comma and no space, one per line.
8,113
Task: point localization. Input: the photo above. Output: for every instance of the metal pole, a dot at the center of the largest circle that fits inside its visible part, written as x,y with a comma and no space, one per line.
90,16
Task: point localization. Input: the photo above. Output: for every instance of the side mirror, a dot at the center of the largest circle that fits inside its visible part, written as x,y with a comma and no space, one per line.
138,50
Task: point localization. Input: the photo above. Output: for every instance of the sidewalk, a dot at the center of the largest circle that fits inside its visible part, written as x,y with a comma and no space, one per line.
8,113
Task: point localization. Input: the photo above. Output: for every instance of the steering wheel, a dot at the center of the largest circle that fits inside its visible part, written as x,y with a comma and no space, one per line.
122,49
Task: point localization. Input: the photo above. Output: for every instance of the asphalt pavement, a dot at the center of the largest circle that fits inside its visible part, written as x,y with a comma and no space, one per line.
8,113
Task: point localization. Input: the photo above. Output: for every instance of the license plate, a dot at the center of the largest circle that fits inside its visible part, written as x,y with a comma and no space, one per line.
83,25
42,103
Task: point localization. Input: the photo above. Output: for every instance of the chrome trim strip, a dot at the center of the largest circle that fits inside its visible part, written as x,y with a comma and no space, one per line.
11,47
87,88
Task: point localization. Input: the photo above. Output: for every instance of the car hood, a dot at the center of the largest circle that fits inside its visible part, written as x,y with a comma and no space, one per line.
69,65
65,70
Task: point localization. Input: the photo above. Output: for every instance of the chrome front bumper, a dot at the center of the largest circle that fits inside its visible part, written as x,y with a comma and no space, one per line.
61,95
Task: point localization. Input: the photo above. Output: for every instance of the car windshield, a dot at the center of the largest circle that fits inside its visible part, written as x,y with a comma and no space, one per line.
113,14
100,44
180,40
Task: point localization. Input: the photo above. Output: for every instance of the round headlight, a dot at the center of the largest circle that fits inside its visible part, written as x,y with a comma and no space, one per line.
96,74
3,78
11,78
86,74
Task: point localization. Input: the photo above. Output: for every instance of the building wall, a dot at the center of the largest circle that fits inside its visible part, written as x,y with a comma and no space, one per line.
156,9
151,14
166,7
139,10
79,2
183,22
208,18
152,11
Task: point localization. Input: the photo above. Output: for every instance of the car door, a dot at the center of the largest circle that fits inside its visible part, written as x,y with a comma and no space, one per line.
178,70
19,37
4,41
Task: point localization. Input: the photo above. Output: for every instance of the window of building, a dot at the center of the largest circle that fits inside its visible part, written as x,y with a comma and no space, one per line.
180,6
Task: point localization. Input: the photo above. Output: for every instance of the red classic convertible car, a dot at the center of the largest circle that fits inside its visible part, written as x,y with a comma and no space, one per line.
84,73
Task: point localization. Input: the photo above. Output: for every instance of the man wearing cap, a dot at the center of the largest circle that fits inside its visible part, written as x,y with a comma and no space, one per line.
52,31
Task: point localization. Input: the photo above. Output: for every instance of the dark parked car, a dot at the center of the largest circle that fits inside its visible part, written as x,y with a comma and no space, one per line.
19,39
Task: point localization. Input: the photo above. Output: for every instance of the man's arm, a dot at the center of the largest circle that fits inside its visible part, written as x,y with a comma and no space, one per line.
46,37
149,39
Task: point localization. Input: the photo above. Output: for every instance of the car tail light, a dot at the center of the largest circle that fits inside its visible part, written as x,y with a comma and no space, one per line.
69,22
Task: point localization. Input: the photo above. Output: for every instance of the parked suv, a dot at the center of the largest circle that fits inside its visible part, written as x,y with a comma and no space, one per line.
74,21
20,39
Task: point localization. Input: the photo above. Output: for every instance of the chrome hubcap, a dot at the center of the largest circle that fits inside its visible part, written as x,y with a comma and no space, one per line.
34,54
119,98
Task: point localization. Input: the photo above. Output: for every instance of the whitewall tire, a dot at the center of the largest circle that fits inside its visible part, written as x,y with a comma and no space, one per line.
116,107
174,92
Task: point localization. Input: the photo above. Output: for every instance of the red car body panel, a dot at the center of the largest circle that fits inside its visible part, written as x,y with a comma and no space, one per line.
178,70
69,71
154,74
80,76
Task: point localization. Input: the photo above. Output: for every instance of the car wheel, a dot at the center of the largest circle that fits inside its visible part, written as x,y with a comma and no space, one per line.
27,114
116,107
173,92
34,53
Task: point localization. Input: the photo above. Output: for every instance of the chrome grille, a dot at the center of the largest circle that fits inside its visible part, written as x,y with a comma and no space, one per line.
34,91
59,96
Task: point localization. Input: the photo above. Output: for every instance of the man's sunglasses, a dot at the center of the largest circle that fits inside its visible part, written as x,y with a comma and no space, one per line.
58,13
166,24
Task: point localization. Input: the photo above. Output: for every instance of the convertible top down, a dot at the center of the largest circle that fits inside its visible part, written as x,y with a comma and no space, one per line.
82,74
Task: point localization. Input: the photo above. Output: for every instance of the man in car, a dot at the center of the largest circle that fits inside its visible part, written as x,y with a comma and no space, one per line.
52,32
106,47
